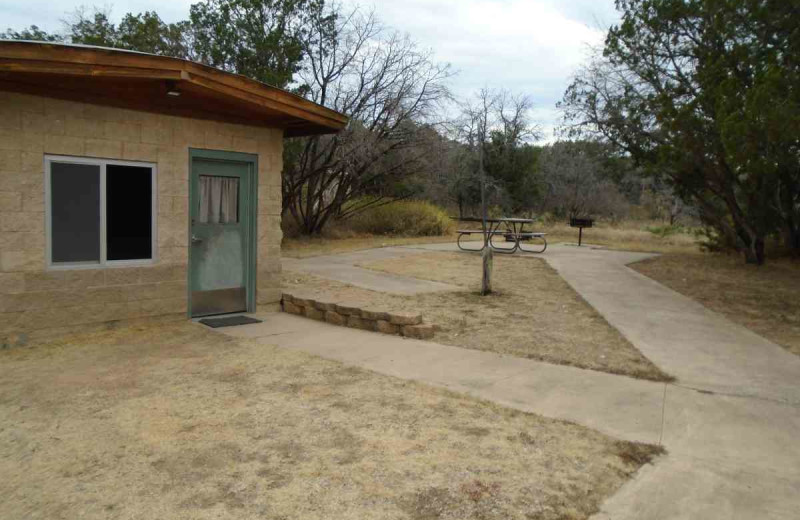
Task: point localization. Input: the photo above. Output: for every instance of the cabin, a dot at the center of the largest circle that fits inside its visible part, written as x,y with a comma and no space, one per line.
137,186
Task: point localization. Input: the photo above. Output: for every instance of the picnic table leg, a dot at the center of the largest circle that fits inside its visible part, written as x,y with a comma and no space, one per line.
458,242
517,234
503,250
542,250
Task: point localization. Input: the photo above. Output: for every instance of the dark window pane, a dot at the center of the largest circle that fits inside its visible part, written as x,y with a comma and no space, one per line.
75,212
129,212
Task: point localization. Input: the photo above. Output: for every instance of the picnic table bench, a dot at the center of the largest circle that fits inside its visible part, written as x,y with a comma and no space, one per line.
514,231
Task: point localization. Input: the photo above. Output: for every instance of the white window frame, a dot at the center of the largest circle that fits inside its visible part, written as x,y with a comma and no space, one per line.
103,262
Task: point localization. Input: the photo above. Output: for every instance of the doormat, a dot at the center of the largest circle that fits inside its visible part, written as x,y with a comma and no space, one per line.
228,321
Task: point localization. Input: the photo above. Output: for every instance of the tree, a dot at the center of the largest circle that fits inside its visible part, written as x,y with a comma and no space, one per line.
32,33
262,39
510,158
391,91
463,183
493,127
146,32
93,29
474,129
576,181
682,87
662,201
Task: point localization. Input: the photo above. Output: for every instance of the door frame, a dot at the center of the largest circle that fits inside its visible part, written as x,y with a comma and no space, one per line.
251,236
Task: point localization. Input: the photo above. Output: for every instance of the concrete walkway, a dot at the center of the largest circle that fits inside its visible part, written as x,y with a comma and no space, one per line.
730,422
703,349
620,406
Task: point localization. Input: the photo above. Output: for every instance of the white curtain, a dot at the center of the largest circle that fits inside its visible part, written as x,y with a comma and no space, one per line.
219,200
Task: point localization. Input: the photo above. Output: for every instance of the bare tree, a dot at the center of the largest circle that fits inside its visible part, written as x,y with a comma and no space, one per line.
390,88
487,111
575,186
662,200
482,122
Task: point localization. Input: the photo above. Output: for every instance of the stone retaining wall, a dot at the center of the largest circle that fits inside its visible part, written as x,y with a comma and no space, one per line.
357,316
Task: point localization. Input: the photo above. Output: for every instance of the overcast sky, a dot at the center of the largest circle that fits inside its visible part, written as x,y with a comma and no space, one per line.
526,46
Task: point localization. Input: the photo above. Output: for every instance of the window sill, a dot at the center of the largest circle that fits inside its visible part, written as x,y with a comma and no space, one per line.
114,264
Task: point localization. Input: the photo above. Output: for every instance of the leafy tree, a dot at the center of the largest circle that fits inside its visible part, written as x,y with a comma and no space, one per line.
32,33
705,92
511,161
514,166
146,32
261,39
93,29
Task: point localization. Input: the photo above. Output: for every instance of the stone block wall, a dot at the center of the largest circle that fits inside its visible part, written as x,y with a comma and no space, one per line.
33,298
357,316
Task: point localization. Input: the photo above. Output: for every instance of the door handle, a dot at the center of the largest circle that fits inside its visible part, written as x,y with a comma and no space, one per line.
195,240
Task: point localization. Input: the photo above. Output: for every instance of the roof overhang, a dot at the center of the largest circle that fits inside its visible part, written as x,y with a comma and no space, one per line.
159,84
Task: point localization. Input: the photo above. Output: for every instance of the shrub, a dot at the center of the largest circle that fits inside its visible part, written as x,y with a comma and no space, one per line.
404,218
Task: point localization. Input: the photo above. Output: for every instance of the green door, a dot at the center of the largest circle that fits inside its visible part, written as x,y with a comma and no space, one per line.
221,236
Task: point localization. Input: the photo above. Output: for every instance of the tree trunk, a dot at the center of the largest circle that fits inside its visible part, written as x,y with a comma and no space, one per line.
754,254
791,239
751,240
486,280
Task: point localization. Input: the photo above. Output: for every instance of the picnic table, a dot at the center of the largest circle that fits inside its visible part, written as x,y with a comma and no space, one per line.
513,230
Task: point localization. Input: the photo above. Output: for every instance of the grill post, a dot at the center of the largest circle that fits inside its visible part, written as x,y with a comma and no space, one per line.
580,223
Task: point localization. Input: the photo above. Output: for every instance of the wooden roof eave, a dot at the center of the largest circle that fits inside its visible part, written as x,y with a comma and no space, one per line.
48,58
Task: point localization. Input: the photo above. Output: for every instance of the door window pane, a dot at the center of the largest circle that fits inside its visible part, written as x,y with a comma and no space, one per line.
75,212
218,200
129,212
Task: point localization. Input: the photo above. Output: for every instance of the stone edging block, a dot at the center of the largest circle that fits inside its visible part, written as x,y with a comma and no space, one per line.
418,331
334,318
405,318
349,309
355,315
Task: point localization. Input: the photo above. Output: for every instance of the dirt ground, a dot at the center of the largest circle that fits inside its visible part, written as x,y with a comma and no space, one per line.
178,421
533,313
764,299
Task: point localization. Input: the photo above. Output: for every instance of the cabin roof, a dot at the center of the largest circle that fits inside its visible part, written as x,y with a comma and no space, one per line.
161,84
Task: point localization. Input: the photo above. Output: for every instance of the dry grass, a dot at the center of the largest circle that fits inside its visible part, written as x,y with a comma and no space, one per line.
177,421
764,299
626,236
303,247
629,236
533,313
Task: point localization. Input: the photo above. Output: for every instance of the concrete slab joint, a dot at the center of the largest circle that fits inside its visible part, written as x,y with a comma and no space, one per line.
357,316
